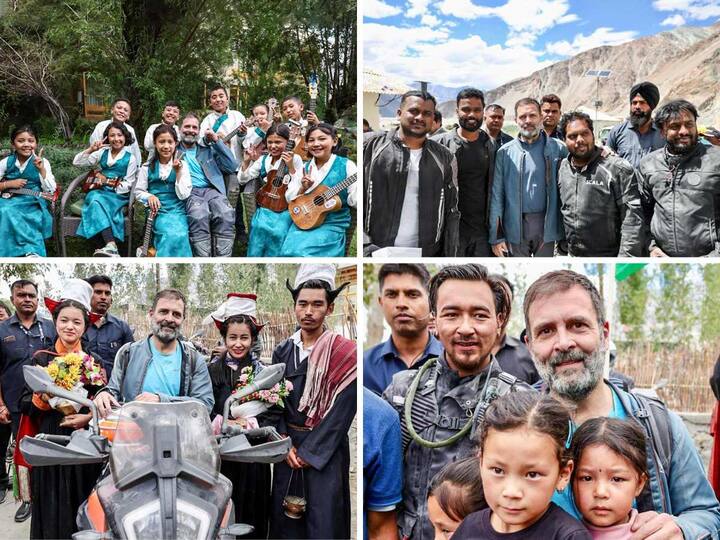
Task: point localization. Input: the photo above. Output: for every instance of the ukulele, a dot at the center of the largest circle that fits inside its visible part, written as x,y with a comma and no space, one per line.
95,180
300,149
271,103
308,211
146,250
272,194
52,197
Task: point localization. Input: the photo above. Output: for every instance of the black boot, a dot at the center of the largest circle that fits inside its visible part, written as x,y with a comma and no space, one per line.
23,512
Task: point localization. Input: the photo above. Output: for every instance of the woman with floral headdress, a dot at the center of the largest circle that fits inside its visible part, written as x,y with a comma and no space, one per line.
237,321
58,491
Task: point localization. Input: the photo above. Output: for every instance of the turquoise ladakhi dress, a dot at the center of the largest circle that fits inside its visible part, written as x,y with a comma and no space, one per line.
25,221
103,207
268,228
327,240
170,229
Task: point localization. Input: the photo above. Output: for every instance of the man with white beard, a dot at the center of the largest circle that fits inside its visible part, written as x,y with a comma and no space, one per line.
160,368
568,337
524,209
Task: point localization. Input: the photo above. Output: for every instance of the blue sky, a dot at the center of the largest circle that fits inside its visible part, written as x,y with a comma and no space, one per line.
489,42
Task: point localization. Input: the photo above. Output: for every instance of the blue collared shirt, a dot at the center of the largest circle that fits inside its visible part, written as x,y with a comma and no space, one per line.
106,340
631,145
382,361
17,347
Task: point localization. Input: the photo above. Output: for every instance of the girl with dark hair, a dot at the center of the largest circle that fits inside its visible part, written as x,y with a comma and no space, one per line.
58,491
236,320
327,169
523,460
163,185
102,212
268,228
455,492
610,472
25,221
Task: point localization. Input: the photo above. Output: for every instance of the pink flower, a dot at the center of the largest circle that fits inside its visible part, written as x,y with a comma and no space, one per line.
273,398
243,378
288,385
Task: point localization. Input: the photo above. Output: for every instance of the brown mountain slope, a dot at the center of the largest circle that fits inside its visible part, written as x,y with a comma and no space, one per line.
684,63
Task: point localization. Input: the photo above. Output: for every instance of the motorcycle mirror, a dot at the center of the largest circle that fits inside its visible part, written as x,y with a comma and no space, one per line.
39,380
264,380
237,529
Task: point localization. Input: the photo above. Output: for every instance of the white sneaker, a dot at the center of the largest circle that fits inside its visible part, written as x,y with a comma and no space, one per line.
106,251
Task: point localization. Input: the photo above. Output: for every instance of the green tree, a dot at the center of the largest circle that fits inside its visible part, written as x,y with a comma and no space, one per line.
675,310
633,299
710,315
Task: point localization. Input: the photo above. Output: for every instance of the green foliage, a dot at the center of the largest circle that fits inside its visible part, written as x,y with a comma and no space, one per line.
676,316
710,314
633,298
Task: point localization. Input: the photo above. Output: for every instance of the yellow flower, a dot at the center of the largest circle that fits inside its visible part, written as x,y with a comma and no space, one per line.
73,359
53,370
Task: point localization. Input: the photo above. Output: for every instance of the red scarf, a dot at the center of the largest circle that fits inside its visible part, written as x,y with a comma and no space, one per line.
332,367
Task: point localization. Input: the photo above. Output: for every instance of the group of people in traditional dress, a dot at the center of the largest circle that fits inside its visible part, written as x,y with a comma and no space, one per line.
320,374
556,189
471,433
192,166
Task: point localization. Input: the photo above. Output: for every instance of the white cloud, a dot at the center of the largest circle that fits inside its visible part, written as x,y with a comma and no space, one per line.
417,8
377,9
428,54
430,20
698,10
675,20
526,21
600,37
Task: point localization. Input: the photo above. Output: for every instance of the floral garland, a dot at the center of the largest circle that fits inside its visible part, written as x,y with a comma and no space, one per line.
69,370
273,396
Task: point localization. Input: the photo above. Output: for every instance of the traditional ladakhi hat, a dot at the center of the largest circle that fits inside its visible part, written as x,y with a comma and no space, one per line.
75,289
320,272
236,304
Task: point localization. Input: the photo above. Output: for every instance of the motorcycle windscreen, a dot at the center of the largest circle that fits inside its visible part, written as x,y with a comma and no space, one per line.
135,513
147,432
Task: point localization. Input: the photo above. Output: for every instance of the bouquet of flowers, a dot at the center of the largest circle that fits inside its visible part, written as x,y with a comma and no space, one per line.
73,372
260,401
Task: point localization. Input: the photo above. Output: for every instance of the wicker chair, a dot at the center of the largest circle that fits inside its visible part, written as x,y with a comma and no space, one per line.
67,224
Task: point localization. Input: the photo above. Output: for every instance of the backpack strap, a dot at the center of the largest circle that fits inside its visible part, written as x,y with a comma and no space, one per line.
500,383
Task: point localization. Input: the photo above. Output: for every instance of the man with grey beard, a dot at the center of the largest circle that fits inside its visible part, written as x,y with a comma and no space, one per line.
160,368
524,211
568,337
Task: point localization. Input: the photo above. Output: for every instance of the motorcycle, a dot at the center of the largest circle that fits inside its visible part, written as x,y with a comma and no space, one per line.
164,476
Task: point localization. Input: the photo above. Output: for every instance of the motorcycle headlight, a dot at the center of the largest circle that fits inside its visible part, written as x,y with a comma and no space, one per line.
193,522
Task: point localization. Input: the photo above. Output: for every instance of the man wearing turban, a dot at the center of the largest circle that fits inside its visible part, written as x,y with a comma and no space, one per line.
638,136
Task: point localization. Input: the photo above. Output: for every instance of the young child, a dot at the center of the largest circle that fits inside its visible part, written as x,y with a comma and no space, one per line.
455,492
522,462
610,471
163,185
327,169
268,228
102,212
25,221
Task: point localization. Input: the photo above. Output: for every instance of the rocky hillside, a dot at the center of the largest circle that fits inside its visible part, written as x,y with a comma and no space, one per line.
684,63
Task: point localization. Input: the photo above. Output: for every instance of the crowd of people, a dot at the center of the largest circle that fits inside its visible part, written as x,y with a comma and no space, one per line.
192,166
474,191
471,434
319,372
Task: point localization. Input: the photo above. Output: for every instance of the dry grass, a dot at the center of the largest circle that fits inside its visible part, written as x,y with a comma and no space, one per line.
686,370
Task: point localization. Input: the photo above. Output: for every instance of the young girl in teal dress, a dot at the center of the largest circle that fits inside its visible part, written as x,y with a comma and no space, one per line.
163,185
25,221
327,169
102,212
268,228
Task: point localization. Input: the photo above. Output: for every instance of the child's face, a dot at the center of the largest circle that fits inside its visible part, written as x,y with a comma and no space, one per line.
292,109
320,144
276,145
165,145
605,485
116,138
260,113
121,111
443,524
520,470
218,100
24,144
